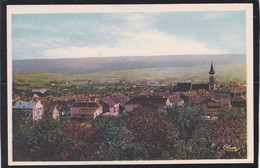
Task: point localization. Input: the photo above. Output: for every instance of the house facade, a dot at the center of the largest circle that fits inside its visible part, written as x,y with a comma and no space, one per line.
221,95
86,110
34,109
87,113
55,111
212,106
113,104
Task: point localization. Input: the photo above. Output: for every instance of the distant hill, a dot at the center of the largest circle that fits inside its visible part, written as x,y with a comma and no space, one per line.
195,74
81,65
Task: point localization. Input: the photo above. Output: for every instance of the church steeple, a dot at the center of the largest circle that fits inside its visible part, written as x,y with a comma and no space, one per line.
212,78
211,69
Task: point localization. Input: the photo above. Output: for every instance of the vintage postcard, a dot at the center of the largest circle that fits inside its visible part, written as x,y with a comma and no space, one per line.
130,84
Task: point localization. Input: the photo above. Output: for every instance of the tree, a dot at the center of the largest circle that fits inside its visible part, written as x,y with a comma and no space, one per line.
48,141
22,126
85,139
199,145
187,119
103,124
194,140
39,140
150,128
117,141
117,144
230,129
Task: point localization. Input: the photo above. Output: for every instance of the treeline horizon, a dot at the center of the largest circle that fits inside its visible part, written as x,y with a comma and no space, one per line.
93,64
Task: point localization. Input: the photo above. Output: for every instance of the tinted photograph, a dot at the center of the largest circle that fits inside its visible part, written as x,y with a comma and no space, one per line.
134,85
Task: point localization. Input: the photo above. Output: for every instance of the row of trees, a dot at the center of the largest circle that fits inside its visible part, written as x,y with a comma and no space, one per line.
144,134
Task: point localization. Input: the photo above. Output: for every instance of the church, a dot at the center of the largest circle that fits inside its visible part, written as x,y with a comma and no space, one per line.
210,87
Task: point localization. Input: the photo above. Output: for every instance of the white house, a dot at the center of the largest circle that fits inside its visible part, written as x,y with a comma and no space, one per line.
35,109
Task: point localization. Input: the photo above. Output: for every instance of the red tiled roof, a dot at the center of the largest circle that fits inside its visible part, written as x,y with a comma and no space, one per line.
200,86
175,100
85,104
118,98
132,84
240,97
108,101
183,87
86,110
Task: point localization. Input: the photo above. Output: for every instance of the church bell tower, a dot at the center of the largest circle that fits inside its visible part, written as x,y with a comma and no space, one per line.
212,78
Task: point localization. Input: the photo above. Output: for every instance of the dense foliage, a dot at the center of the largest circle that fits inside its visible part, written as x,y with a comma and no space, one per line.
41,140
230,129
85,140
144,134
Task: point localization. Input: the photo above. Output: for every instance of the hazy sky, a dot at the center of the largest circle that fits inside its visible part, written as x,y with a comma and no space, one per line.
127,34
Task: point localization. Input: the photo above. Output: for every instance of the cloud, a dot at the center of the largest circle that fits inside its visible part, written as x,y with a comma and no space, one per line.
233,40
133,34
136,21
146,43
136,38
38,42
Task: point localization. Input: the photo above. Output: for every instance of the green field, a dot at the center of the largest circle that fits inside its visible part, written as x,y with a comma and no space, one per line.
195,74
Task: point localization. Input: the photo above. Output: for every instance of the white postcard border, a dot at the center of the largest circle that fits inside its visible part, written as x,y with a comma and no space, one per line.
37,9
